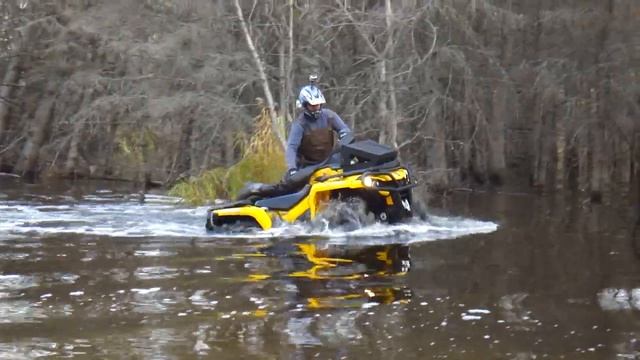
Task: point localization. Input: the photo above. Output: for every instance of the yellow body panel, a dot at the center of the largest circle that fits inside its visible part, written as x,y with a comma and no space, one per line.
259,214
318,196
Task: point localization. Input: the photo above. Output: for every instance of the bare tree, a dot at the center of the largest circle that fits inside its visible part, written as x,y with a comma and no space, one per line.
277,127
542,93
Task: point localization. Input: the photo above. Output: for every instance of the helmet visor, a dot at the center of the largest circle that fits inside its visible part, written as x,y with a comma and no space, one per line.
316,101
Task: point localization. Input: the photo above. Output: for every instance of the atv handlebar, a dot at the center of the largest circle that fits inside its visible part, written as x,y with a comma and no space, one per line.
306,172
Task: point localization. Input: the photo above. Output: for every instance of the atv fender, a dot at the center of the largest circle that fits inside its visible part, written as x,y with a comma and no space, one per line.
258,214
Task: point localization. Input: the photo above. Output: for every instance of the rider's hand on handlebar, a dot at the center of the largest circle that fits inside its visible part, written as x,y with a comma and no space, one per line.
290,173
345,138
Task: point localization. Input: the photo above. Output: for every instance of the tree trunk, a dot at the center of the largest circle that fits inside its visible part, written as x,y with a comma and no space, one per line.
497,162
541,141
286,64
383,111
109,141
393,119
600,111
466,125
435,149
229,158
37,135
502,94
561,142
636,168
582,137
71,166
183,162
624,164
583,158
389,53
597,146
289,86
282,75
6,92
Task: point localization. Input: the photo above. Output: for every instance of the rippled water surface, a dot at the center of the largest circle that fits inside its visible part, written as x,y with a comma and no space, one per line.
90,271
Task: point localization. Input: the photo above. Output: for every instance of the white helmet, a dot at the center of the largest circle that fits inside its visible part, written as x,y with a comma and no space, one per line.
311,95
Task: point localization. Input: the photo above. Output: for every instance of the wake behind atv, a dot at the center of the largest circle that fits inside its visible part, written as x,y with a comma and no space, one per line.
366,172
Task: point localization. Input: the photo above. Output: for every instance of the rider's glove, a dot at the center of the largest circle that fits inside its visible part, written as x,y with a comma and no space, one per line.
345,137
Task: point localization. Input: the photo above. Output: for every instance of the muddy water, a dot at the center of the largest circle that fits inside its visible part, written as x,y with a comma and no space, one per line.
89,271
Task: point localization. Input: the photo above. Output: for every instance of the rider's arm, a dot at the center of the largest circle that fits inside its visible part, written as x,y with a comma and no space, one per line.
338,125
293,143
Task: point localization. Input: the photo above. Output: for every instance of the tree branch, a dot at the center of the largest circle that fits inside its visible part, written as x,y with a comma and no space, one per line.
263,75
13,143
7,101
433,44
11,85
358,29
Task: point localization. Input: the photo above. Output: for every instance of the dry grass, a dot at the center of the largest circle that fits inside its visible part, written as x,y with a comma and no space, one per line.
263,161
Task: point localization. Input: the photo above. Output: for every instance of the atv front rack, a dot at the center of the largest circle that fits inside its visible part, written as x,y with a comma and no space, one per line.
389,166
378,170
393,188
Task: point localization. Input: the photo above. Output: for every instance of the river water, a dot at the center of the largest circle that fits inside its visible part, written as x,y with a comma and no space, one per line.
90,271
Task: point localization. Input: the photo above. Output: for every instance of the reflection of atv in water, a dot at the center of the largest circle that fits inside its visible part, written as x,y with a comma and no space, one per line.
335,275
369,272
367,174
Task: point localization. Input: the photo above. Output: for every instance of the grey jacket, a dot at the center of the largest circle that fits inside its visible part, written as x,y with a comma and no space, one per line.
327,119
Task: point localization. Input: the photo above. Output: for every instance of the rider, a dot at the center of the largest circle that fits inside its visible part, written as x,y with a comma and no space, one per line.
311,137
310,142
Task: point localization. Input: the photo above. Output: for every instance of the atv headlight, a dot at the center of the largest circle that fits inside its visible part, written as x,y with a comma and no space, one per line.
368,181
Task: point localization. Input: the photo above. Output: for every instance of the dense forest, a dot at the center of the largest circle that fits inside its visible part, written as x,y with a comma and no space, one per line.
542,93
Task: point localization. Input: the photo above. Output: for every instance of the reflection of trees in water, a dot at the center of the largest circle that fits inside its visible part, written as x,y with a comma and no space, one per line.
552,244
554,261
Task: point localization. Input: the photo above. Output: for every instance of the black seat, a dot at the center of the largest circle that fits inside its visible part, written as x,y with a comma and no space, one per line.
252,191
284,202
305,173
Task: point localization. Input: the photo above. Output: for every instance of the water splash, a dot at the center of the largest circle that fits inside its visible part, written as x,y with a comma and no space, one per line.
106,214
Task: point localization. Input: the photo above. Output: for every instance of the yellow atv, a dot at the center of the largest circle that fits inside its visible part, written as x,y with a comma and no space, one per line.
364,172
